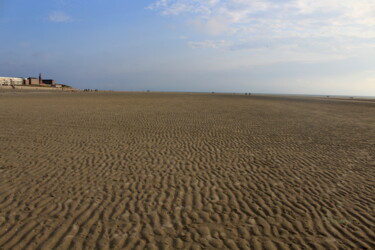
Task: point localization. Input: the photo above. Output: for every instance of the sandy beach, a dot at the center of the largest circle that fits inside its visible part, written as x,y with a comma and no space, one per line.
118,170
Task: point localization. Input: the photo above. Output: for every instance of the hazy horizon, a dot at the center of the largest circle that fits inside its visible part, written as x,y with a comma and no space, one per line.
258,46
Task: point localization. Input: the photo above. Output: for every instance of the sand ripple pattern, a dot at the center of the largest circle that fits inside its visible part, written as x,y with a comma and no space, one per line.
185,171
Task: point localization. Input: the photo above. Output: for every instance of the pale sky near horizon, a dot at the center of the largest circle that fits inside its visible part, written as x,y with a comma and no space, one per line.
260,46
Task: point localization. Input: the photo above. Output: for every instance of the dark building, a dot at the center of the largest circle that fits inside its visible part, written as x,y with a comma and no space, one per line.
49,82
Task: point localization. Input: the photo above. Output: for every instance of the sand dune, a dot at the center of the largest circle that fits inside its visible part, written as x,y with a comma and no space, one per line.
185,171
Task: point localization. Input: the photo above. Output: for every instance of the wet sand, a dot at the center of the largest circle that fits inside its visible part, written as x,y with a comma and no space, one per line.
185,171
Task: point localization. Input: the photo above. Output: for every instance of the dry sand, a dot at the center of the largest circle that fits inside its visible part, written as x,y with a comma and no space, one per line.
169,171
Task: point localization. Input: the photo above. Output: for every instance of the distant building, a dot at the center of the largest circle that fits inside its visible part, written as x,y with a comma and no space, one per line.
49,82
33,81
10,81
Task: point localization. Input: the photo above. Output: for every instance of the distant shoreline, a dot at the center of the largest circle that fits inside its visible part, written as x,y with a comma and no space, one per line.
243,93
248,94
34,88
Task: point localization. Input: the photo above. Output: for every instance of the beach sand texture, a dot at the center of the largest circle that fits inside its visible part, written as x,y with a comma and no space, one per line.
185,171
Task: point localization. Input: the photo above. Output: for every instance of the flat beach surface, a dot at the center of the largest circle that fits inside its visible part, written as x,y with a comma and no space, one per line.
114,170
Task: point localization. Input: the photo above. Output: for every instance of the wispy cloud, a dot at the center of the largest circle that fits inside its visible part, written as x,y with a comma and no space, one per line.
60,17
176,7
182,37
208,44
213,26
246,20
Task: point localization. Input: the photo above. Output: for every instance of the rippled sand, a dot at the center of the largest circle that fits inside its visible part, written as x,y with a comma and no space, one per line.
137,170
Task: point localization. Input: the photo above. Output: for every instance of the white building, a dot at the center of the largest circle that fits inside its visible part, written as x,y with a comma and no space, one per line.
8,81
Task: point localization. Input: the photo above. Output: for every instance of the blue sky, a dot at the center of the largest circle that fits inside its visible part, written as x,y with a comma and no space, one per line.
263,46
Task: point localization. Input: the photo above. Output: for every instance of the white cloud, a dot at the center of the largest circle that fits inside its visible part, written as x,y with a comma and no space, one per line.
182,37
208,44
267,32
304,18
213,26
176,7
59,17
